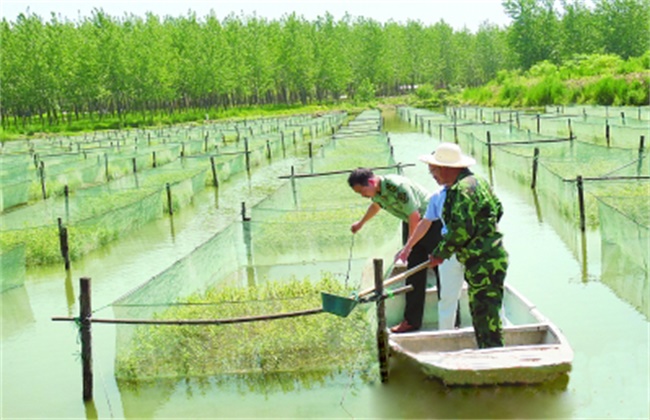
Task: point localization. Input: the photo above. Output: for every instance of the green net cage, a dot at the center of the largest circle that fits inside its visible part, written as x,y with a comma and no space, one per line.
625,247
576,172
295,244
12,266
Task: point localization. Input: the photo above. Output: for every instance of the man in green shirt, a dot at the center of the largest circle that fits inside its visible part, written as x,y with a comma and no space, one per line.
471,213
408,202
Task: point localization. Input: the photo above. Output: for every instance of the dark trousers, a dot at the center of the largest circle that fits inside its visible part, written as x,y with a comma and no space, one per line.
421,250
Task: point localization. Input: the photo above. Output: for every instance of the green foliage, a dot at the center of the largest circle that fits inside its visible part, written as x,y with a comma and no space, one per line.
594,79
542,69
607,91
512,92
550,90
425,92
107,72
366,91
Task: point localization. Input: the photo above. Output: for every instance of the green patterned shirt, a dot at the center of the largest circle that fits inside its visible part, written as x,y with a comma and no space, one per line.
471,212
400,196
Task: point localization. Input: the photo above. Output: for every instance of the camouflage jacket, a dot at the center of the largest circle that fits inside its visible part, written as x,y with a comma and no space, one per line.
471,212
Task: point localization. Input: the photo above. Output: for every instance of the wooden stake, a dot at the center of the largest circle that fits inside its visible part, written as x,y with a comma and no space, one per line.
489,147
382,335
641,149
85,313
169,199
215,180
243,212
106,167
63,244
535,163
66,193
581,202
41,173
248,158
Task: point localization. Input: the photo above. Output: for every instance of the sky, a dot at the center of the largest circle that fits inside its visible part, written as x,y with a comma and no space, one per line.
457,13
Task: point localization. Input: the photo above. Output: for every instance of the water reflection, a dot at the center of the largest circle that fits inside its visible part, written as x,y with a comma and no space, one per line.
162,397
91,410
69,292
626,278
16,311
407,384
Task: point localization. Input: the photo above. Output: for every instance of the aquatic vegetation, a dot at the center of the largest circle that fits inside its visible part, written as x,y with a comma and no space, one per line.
307,344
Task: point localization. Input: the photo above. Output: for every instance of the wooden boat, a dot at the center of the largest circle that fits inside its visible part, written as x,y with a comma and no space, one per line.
536,351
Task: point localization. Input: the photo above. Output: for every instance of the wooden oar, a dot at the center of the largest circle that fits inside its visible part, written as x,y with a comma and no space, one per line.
342,306
396,278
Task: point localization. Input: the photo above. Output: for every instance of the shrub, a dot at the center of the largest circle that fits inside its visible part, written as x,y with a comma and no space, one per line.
548,91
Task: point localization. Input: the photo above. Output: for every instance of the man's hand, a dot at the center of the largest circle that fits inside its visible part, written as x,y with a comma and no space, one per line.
435,261
403,254
356,226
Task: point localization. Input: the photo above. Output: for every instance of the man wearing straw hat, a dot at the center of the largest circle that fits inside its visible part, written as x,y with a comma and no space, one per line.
471,212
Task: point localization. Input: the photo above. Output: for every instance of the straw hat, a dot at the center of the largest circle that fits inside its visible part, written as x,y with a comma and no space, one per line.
448,155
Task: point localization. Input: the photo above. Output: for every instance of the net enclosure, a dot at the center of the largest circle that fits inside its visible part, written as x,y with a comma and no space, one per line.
592,177
94,189
292,245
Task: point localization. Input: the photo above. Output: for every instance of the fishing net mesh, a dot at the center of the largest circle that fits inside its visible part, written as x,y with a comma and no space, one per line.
103,186
294,244
615,173
13,267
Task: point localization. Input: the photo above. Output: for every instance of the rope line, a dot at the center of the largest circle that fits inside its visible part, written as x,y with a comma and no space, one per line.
347,275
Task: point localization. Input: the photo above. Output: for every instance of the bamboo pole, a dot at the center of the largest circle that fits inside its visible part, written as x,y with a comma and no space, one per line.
293,175
179,322
510,143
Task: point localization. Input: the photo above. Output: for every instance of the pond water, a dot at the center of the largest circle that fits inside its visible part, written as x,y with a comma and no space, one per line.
41,372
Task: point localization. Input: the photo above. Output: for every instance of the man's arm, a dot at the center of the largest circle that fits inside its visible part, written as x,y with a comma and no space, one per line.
461,226
414,220
373,209
418,233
